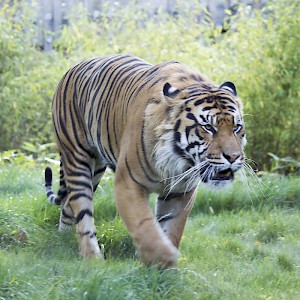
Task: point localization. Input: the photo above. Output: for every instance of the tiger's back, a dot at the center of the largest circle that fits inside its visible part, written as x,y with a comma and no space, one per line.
92,94
144,122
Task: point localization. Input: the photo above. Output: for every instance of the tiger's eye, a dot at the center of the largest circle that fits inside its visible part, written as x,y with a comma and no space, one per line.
209,128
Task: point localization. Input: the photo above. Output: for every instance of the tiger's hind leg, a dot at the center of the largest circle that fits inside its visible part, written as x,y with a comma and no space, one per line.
66,214
80,182
66,219
172,212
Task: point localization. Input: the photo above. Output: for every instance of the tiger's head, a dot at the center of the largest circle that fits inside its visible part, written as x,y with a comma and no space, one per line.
202,137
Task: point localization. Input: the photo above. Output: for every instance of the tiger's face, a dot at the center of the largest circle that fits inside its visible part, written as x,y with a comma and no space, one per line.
207,137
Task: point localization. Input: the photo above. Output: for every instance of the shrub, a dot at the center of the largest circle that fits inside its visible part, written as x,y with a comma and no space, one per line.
28,79
259,52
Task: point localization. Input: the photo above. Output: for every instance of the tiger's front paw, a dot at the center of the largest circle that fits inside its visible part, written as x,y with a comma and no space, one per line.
160,253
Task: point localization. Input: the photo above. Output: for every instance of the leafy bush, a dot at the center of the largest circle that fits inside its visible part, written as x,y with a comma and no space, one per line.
28,79
285,165
30,154
259,52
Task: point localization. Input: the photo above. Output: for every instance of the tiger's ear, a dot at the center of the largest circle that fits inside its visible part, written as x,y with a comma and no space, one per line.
170,91
170,94
229,86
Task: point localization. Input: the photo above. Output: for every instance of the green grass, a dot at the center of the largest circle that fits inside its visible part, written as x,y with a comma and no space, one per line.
241,243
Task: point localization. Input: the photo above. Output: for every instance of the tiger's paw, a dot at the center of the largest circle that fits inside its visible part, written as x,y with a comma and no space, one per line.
162,254
88,247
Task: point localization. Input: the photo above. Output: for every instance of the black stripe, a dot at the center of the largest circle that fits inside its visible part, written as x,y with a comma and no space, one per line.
199,102
82,214
178,150
144,146
112,167
70,140
224,99
203,119
79,195
152,74
66,215
75,189
144,170
197,77
231,108
198,134
177,125
104,107
93,234
50,193
80,166
177,136
76,123
108,81
192,145
109,89
80,183
133,86
207,108
131,175
189,128
117,88
156,82
66,223
99,171
192,117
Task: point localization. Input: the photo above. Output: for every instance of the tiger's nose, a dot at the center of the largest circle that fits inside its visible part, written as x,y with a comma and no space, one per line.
231,156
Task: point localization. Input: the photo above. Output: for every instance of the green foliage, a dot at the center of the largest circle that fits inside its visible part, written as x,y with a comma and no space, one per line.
30,155
284,165
259,52
28,79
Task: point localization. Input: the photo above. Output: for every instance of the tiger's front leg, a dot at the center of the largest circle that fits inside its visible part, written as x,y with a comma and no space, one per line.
152,244
172,212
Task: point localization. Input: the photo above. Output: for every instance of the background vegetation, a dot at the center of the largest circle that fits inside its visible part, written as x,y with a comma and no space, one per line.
259,52
239,243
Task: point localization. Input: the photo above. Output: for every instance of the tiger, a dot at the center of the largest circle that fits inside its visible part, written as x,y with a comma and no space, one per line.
162,129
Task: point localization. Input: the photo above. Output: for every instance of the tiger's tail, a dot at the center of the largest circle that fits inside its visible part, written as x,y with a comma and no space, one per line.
54,199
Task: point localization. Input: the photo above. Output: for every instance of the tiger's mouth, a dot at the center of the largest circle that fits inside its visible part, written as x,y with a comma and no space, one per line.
223,175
